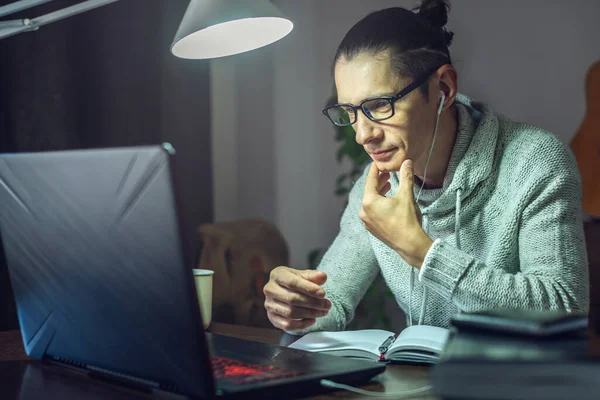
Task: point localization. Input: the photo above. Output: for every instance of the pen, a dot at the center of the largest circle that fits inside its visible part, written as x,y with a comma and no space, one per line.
387,343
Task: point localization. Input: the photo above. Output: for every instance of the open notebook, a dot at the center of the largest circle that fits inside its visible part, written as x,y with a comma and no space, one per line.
418,344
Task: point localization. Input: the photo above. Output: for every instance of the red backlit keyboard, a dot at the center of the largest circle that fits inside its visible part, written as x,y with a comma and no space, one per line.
240,372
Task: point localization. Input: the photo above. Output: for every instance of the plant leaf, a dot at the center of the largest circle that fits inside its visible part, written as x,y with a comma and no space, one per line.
340,154
314,257
342,191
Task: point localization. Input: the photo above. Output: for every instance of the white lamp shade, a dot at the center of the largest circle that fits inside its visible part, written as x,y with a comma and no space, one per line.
219,28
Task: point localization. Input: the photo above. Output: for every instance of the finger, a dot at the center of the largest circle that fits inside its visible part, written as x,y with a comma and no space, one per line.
274,292
290,325
297,283
317,277
372,180
406,177
385,188
293,312
382,179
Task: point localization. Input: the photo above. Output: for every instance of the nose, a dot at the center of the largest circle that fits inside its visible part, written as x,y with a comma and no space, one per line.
366,130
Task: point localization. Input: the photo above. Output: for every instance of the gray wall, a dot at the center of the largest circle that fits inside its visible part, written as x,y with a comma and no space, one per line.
528,59
106,78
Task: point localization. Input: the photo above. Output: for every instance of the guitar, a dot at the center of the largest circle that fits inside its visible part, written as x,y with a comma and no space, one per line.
586,144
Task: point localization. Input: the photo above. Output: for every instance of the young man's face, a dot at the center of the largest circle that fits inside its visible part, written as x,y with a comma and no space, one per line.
405,135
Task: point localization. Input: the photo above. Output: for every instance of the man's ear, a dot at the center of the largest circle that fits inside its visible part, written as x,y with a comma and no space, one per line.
448,83
444,88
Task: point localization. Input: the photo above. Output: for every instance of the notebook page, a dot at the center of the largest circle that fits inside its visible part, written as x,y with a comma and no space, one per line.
423,337
365,339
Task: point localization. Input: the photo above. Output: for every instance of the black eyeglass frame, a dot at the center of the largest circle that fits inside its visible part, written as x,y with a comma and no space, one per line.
391,99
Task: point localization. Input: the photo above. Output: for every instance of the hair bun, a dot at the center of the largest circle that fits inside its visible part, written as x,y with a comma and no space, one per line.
436,13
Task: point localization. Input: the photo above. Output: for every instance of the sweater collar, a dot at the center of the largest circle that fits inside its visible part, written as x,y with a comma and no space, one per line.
472,156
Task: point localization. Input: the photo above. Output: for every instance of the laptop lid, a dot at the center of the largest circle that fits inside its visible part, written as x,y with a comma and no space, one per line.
83,230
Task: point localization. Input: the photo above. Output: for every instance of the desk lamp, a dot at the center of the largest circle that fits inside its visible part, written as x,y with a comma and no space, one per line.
209,29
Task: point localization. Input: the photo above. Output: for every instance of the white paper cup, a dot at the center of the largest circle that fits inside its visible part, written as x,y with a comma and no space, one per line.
204,288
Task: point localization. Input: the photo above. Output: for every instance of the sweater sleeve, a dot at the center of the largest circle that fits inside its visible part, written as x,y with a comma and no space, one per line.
553,268
350,265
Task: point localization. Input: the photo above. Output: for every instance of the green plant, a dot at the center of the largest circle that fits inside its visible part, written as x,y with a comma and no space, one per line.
354,153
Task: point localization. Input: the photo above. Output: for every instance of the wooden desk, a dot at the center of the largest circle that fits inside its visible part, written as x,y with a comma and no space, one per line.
23,378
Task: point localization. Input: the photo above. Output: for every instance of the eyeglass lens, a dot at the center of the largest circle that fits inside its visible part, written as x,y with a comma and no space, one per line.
376,109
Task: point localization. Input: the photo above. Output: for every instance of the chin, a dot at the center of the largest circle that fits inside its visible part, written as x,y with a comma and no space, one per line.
389,166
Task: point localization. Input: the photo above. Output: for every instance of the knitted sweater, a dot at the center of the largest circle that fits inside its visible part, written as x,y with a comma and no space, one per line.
507,230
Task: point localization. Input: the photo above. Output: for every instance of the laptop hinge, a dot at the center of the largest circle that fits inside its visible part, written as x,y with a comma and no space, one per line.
118,378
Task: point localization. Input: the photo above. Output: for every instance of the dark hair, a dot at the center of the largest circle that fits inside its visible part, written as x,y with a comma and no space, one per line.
418,41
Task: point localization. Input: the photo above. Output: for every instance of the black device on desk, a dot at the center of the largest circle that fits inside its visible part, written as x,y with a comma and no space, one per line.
103,281
517,354
534,323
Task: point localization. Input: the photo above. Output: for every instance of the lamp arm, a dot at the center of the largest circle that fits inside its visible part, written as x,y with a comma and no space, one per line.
20,6
13,27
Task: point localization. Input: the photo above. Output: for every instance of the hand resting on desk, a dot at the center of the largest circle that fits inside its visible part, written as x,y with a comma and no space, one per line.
294,299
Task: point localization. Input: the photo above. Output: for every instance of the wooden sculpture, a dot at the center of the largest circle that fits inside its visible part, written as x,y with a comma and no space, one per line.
586,144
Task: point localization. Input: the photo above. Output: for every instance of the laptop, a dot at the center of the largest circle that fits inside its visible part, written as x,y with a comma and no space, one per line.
103,283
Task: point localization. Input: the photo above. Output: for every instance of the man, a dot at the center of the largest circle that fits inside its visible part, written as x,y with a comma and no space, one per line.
486,212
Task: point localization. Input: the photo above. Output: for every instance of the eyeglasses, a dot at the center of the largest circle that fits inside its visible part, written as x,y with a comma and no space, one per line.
375,108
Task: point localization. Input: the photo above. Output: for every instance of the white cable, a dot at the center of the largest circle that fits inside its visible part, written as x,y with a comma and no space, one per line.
437,120
411,281
411,285
457,222
423,306
396,395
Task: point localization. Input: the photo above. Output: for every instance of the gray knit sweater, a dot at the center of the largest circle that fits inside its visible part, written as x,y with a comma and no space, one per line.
507,230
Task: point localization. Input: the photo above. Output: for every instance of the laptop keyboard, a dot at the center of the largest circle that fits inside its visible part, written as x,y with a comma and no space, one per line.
240,372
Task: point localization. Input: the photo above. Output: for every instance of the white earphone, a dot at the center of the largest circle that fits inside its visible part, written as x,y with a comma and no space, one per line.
437,120
441,103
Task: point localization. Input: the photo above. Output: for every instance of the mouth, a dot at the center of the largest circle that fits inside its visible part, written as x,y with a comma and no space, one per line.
382,155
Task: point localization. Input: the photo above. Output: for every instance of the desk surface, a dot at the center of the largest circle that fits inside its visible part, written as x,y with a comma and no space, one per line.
24,378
